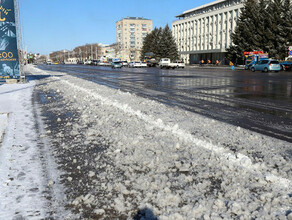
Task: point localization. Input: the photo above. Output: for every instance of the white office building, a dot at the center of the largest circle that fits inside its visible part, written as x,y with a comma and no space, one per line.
204,32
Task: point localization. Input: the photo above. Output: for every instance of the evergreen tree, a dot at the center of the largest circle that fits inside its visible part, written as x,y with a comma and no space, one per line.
146,45
156,42
243,36
263,25
275,30
168,45
287,21
161,43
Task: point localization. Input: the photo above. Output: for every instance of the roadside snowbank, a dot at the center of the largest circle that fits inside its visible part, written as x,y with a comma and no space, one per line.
176,163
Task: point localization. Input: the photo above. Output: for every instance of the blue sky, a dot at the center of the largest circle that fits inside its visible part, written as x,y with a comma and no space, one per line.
50,25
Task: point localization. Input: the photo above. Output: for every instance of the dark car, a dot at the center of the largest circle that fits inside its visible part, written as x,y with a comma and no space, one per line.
94,62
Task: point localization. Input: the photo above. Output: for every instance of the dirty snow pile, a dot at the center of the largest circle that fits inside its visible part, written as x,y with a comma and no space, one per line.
122,153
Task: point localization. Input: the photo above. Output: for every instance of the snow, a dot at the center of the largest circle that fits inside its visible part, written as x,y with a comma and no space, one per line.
23,184
171,163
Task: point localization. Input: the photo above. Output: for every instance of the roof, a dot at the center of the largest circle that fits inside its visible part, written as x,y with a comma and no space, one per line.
200,7
136,18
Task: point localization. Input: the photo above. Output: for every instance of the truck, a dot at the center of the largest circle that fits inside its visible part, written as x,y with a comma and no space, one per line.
166,63
149,58
287,64
252,57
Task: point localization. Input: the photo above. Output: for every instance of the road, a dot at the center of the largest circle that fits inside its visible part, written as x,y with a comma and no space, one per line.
260,102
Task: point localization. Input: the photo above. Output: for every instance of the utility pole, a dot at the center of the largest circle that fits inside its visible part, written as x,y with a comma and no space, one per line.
91,51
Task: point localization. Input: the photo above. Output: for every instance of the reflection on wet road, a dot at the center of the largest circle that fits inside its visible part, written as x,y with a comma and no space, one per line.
258,101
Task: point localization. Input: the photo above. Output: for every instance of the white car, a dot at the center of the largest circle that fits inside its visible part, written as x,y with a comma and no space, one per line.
124,63
143,64
88,62
180,64
137,64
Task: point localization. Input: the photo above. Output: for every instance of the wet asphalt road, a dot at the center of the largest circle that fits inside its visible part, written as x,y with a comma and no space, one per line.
258,101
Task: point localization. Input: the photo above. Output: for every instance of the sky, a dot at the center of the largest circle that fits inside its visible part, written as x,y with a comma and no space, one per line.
51,25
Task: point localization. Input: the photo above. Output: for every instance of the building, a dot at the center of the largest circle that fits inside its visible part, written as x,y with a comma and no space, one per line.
130,33
204,32
108,51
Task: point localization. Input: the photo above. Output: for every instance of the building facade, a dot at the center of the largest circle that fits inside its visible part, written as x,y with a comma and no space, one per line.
203,33
130,33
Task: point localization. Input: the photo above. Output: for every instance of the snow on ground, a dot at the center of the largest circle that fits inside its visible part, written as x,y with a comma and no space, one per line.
3,124
120,153
25,173
178,164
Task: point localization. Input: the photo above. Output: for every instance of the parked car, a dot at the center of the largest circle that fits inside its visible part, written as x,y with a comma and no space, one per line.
116,65
88,62
287,64
49,62
104,63
137,64
124,63
166,63
94,62
266,66
180,64
131,64
143,64
152,62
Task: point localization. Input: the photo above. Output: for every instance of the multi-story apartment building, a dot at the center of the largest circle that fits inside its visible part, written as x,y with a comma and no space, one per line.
130,33
204,32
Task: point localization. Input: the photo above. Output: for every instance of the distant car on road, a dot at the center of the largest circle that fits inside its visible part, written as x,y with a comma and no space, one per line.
266,66
124,63
88,62
180,64
287,64
94,62
49,62
116,65
137,64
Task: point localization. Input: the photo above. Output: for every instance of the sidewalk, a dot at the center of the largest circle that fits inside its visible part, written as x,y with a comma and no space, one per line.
23,177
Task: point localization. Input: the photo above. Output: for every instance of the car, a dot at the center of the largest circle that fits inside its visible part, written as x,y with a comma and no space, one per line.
49,62
287,64
143,64
131,64
94,62
116,65
137,64
88,62
266,66
124,63
180,64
